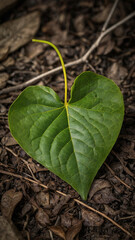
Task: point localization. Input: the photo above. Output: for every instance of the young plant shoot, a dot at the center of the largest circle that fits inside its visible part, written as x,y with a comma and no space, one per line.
71,139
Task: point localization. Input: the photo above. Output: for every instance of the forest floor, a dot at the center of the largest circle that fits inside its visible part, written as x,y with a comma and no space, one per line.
30,210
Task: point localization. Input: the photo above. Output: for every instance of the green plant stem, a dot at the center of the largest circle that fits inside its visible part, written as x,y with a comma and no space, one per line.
62,63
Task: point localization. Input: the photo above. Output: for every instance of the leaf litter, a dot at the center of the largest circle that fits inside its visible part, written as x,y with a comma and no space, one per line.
126,58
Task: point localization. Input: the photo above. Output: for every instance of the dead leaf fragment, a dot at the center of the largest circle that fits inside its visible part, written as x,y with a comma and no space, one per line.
8,141
91,219
74,230
102,15
16,33
106,46
42,217
62,202
104,196
66,220
117,72
3,79
9,201
97,185
43,199
58,230
8,231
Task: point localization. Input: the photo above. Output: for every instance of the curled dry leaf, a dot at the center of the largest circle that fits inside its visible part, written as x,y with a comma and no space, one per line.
42,217
91,219
58,230
97,185
9,201
74,230
16,33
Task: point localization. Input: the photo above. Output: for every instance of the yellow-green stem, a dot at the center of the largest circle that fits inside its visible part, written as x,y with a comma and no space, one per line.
62,63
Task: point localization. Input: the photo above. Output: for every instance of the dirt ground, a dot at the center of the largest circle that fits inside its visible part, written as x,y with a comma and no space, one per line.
31,211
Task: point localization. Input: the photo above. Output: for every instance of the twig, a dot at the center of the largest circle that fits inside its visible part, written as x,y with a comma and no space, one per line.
113,173
63,194
26,163
73,63
109,16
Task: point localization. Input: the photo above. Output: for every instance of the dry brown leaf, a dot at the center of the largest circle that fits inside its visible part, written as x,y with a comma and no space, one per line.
34,50
111,211
58,230
8,141
42,217
102,15
43,199
91,219
97,185
16,33
104,196
8,231
117,72
66,220
74,230
62,202
106,46
9,201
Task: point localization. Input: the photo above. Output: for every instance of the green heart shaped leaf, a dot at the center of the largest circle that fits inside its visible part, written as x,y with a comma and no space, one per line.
72,140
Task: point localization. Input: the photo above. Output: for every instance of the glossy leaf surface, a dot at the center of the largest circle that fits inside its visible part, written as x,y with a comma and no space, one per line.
72,141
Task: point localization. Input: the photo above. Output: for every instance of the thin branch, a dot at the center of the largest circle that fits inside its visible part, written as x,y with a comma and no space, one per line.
63,194
73,63
110,15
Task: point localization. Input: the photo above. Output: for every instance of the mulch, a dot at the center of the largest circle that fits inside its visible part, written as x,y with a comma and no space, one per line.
28,209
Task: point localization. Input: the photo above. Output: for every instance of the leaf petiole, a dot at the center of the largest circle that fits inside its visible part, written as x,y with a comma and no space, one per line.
62,63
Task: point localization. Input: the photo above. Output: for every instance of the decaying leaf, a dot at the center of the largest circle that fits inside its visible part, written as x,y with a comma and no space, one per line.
102,15
16,33
58,230
117,72
42,217
97,185
8,230
74,230
43,199
9,201
91,219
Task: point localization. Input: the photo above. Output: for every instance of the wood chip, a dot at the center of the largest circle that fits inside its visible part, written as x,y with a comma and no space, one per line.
3,79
